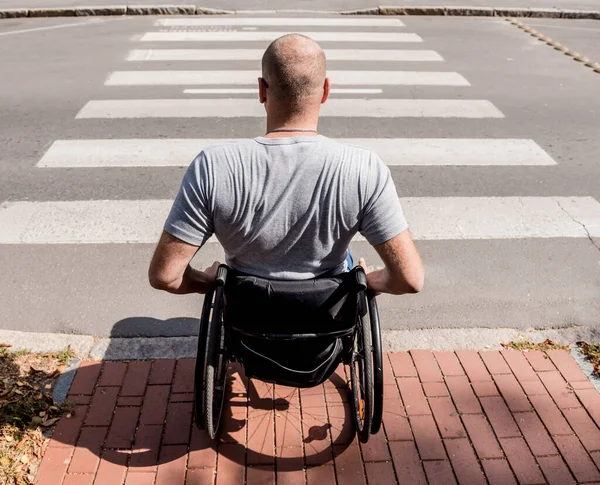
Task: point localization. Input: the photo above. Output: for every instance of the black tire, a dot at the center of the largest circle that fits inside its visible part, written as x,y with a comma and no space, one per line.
201,360
362,378
377,364
216,367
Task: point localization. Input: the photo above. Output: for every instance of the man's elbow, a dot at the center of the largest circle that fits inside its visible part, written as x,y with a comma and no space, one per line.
156,282
417,281
416,285
160,282
409,284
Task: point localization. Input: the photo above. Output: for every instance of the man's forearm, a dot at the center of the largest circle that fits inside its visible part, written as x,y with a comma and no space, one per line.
381,281
192,281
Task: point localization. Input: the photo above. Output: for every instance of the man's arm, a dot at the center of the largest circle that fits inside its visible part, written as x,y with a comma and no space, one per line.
170,269
403,271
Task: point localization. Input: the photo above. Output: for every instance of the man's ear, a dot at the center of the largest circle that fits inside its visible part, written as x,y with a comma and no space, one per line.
262,90
326,89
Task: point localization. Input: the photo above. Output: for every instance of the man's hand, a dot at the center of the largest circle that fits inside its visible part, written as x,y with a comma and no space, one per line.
368,271
211,271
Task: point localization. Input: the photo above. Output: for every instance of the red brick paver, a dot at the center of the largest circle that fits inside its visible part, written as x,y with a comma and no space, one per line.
466,417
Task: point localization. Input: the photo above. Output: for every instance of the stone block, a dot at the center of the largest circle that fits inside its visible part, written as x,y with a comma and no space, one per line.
161,9
579,14
13,13
212,11
52,12
512,12
549,13
99,11
470,11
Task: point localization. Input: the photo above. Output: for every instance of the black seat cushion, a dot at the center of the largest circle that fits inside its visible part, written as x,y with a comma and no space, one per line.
319,305
290,332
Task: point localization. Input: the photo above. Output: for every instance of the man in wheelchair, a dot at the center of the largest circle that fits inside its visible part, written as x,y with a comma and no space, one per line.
289,303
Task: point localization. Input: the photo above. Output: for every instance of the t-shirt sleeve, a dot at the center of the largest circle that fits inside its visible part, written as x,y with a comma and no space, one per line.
190,218
382,215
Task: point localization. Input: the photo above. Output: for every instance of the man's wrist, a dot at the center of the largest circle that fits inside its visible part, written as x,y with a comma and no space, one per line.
197,281
376,281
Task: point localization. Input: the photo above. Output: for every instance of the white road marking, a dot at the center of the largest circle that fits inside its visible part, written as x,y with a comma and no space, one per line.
457,151
169,152
288,21
352,78
335,107
53,27
411,55
255,91
445,218
81,222
430,218
270,36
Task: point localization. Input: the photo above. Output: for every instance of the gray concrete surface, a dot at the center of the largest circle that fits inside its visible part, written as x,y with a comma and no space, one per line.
582,36
102,289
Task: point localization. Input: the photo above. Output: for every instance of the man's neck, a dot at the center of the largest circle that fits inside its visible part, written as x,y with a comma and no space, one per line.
301,126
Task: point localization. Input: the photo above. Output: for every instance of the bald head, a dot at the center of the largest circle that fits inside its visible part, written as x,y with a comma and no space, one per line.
294,68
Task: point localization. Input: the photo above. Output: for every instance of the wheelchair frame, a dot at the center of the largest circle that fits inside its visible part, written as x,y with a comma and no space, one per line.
365,361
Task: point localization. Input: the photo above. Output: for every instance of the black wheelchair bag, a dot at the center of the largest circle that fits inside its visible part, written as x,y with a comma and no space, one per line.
292,333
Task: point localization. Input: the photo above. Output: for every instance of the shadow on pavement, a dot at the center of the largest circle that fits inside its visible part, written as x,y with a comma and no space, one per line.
139,415
155,327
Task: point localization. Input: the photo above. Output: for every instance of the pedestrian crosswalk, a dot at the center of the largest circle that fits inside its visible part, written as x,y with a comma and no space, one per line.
212,79
438,218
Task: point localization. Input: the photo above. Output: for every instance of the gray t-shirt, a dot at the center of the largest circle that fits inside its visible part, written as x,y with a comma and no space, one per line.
286,208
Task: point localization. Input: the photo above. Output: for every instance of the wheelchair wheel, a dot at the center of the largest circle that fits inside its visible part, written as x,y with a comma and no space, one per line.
201,360
377,364
216,366
361,374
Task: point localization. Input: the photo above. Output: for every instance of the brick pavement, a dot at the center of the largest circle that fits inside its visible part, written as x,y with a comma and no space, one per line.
497,417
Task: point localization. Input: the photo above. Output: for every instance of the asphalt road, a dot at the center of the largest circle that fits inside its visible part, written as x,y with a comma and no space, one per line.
328,5
56,66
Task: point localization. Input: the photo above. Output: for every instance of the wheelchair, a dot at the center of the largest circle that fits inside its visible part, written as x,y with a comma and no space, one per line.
293,333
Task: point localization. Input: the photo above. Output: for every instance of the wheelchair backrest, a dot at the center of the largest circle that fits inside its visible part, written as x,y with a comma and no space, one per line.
293,308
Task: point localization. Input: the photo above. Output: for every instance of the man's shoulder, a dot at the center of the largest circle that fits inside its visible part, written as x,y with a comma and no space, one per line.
352,151
220,146
352,145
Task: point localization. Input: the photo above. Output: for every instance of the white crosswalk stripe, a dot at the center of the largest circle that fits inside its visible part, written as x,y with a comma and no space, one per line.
280,22
174,152
254,91
339,78
366,55
247,36
432,218
235,108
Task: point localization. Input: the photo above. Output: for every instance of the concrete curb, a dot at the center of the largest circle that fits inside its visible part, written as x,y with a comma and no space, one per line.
64,381
586,366
472,11
47,342
140,348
